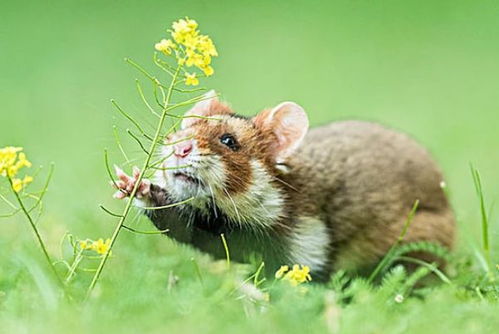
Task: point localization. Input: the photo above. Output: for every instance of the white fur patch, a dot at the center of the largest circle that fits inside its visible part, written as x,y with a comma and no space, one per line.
310,243
260,206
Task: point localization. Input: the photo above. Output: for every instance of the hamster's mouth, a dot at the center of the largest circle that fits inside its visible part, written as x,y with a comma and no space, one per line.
187,178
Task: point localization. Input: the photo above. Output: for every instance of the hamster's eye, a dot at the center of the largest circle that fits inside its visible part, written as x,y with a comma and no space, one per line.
229,141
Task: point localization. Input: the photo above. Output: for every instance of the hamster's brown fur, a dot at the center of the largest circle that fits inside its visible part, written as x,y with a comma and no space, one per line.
336,197
363,179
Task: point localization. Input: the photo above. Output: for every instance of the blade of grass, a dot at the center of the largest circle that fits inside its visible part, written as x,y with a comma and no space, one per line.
485,221
388,257
226,247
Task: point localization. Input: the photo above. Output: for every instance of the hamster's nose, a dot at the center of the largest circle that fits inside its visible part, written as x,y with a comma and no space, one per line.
181,150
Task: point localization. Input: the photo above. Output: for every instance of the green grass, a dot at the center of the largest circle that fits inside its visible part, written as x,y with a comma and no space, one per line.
428,68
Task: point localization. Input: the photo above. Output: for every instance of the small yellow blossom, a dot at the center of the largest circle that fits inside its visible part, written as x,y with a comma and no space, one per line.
18,184
27,179
296,276
100,246
194,59
208,70
206,46
12,160
280,273
165,46
183,29
191,80
84,244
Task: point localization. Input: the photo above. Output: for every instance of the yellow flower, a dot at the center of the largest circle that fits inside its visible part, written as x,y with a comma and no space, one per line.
27,179
12,160
206,46
191,80
184,29
8,157
184,25
194,59
296,276
85,244
280,273
100,246
17,185
193,49
190,41
165,46
207,70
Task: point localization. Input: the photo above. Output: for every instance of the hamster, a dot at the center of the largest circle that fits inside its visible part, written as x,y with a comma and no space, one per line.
335,197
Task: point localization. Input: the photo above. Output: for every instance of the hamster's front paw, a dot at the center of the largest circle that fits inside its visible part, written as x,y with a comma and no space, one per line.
126,183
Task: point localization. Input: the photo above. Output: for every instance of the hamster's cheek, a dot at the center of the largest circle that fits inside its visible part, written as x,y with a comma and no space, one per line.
212,171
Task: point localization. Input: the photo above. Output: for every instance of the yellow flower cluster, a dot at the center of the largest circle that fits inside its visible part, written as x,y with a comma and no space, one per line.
191,48
12,160
100,246
296,276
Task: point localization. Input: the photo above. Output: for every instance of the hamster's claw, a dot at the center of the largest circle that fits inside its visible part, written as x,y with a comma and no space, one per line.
125,184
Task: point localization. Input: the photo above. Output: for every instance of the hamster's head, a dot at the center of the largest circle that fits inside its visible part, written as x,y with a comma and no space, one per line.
218,155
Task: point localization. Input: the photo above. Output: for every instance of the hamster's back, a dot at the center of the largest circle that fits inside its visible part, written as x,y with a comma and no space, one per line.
362,180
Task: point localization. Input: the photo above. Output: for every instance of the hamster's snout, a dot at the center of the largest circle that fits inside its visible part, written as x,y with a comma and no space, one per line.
183,149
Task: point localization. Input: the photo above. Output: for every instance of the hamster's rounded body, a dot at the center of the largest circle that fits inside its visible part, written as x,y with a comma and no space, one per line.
334,197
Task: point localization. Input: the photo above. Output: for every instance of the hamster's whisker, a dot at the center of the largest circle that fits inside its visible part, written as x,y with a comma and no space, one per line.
213,201
285,183
235,207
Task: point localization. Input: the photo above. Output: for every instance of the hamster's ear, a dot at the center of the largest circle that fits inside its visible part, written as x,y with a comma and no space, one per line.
201,108
289,124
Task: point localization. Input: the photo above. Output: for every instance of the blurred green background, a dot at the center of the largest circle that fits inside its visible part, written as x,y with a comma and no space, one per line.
429,68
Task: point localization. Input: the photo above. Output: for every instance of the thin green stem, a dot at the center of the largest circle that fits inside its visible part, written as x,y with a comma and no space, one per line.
109,212
431,266
143,97
128,228
130,118
198,271
226,247
256,281
44,190
135,188
138,141
37,233
9,203
74,265
118,142
169,205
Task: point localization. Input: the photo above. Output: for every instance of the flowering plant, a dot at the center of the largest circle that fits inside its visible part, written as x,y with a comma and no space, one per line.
12,160
189,49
